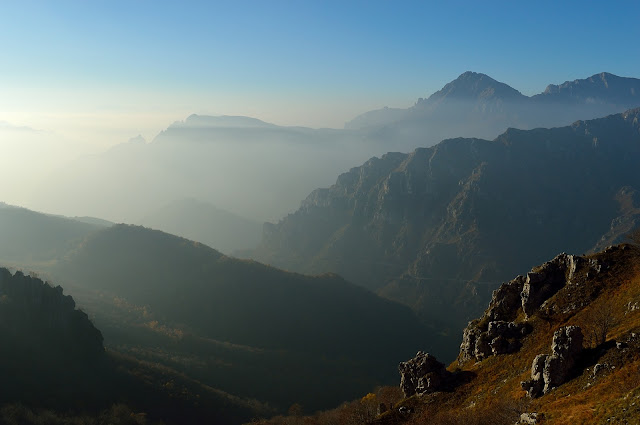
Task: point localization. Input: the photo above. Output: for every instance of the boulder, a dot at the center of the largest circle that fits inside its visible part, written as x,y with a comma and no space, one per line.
551,371
423,374
500,337
530,418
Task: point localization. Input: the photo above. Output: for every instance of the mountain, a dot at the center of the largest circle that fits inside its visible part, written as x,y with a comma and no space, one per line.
603,88
558,345
475,86
261,171
203,222
443,226
241,165
29,238
475,105
303,328
53,362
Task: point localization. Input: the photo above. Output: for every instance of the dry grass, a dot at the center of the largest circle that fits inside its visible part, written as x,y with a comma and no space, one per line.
494,396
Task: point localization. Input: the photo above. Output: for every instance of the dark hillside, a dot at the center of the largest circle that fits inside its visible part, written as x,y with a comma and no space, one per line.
322,320
54,368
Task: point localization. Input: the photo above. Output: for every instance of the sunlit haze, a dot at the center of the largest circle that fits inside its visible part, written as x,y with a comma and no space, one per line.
106,71
86,76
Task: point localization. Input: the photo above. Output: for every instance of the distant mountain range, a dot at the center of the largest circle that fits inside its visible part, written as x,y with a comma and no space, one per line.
203,222
261,171
476,105
438,229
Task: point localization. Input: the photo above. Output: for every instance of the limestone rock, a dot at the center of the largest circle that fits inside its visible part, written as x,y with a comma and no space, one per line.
548,279
500,337
505,301
551,371
423,374
530,418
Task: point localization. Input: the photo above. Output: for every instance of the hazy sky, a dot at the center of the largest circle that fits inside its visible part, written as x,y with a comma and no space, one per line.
99,72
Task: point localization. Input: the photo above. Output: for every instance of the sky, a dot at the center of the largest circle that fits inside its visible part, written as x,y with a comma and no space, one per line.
91,74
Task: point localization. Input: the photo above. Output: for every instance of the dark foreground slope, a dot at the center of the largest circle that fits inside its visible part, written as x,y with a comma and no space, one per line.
596,382
55,369
289,330
443,226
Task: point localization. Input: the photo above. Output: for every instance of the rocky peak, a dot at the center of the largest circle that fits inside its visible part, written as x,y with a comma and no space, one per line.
476,86
602,87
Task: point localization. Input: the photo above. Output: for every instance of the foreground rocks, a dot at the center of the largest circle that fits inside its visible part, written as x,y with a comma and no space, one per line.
504,324
423,374
551,371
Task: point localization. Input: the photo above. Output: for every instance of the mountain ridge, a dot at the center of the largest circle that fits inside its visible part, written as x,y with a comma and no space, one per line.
457,212
483,107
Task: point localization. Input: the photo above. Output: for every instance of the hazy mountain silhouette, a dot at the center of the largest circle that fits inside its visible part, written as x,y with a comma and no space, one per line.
29,238
261,171
203,222
239,164
475,105
442,225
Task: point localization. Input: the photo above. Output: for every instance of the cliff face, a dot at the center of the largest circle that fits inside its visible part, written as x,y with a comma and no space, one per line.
441,225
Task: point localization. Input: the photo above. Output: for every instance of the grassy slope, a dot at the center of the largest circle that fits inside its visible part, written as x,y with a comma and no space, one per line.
489,392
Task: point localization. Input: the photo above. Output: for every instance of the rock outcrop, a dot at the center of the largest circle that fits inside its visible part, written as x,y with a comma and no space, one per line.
426,228
551,371
541,283
423,374
504,323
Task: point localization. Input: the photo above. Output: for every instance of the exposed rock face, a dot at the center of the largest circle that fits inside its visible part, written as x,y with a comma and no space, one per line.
551,371
530,418
423,374
500,338
498,332
545,281
424,228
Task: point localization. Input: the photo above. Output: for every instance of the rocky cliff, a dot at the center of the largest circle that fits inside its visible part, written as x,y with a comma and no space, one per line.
443,226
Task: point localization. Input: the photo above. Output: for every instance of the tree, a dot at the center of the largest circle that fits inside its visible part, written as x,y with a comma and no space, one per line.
600,321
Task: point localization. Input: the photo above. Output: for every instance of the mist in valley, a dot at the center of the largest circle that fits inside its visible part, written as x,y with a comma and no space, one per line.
220,212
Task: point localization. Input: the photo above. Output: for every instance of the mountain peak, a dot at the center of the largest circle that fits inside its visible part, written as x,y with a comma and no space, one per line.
475,86
137,140
233,121
602,87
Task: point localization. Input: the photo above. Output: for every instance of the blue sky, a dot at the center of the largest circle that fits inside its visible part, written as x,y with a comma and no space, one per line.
103,71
